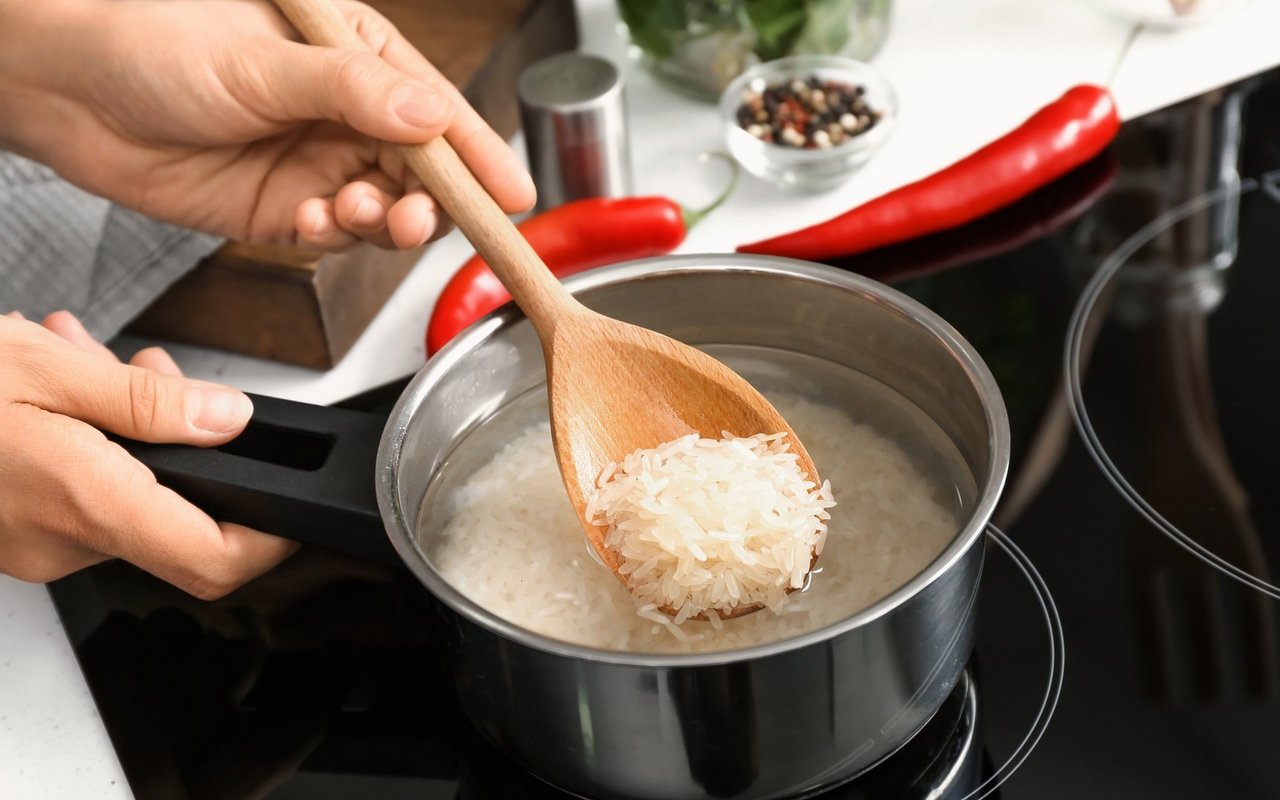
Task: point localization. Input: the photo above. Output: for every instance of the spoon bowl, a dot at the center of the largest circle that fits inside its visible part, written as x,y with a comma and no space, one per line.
615,388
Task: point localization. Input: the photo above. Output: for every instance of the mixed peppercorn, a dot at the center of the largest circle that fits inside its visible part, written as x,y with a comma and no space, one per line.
808,114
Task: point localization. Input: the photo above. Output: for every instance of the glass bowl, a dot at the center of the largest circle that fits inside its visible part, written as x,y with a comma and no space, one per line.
808,169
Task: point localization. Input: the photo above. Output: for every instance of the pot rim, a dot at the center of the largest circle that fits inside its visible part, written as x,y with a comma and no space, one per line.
991,485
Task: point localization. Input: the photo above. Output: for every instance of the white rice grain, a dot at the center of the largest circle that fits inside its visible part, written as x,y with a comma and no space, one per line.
734,521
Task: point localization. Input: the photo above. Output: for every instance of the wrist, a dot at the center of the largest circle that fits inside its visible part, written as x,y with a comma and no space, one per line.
35,41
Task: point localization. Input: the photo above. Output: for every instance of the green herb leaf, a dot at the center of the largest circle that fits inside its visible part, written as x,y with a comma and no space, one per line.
792,27
654,24
827,28
778,23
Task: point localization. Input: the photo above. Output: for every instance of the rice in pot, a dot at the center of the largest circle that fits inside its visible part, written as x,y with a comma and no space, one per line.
515,547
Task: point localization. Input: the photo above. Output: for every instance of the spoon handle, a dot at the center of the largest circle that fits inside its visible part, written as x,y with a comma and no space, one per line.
451,183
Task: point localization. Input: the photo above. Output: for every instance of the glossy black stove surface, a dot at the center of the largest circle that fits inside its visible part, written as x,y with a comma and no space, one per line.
319,683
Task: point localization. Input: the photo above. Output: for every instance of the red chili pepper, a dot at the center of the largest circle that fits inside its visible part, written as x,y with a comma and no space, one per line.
570,238
1055,140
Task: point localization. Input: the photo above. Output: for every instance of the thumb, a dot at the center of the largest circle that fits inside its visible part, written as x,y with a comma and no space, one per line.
302,82
50,373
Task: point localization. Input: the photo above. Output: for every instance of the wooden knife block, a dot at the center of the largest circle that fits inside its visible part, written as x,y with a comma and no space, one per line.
308,308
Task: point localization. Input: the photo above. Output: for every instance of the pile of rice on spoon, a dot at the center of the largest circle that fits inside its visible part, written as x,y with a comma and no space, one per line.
712,528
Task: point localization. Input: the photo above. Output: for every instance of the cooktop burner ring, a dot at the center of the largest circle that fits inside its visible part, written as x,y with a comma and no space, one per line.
1057,665
1078,333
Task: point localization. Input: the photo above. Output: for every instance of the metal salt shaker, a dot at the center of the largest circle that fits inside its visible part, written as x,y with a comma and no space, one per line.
571,107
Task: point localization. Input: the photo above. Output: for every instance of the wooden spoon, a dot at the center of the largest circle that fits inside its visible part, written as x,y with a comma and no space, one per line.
613,388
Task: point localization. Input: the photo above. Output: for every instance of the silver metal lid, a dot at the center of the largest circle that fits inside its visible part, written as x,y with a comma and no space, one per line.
574,118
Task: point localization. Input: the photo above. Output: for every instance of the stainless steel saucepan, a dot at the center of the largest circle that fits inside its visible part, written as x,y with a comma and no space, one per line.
769,721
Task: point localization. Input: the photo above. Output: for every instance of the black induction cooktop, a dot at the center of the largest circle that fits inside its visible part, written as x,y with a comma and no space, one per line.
1127,642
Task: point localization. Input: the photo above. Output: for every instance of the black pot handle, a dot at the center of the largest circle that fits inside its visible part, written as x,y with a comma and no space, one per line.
298,470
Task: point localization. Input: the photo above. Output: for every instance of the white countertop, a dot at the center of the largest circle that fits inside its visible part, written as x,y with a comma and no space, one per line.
964,73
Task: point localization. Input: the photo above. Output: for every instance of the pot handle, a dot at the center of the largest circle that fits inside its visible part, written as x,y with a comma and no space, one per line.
301,471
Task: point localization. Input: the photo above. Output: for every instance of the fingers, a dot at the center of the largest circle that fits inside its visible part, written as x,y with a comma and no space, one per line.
385,218
87,499
165,535
494,164
288,81
69,327
156,360
40,368
391,94
489,158
318,227
360,208
363,210
414,220
66,325
77,499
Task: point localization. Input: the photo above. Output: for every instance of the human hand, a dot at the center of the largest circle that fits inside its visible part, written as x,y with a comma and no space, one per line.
211,115
69,498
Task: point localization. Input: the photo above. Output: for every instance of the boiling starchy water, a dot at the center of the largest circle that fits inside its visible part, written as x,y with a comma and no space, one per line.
499,527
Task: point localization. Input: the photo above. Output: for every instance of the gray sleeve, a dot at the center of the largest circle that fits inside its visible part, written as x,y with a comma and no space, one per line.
63,248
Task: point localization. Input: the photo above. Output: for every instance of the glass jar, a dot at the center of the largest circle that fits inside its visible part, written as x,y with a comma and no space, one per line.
700,46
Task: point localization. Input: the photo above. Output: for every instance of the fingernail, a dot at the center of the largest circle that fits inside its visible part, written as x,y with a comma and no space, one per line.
217,410
320,223
417,105
428,228
367,213
15,315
